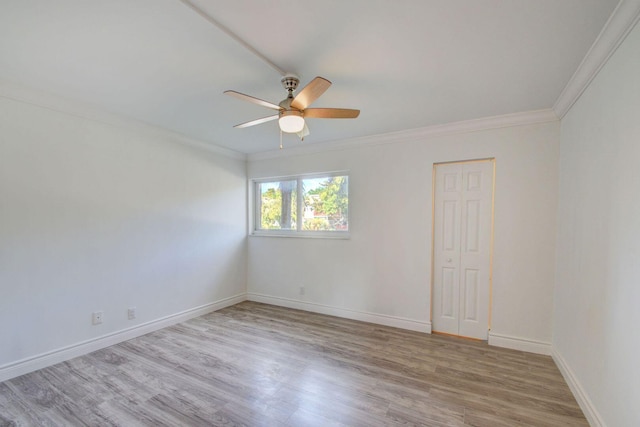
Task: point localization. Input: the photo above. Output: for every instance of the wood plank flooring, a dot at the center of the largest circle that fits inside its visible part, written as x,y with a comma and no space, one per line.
260,365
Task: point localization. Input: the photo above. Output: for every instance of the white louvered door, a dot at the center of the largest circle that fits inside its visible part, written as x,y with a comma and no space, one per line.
462,248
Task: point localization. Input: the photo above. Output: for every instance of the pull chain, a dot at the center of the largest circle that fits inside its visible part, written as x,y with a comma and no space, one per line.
281,139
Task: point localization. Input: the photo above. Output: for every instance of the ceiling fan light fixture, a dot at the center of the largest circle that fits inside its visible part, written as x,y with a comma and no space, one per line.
291,121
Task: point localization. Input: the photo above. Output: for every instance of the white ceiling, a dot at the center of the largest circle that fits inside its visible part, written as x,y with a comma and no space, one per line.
405,64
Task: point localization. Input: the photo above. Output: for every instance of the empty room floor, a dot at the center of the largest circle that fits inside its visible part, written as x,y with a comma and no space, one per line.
260,365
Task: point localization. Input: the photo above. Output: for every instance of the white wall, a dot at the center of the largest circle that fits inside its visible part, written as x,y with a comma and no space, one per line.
597,297
101,217
383,272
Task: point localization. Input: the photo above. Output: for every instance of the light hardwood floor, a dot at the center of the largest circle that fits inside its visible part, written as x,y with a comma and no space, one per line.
260,365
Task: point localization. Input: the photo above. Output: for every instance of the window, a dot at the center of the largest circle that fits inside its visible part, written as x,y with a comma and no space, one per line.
312,205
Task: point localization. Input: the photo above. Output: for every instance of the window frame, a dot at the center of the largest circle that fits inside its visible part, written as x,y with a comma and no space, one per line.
256,208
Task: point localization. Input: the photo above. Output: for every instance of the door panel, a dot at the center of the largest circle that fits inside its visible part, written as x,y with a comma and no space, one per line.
450,225
462,245
449,303
470,290
472,226
446,295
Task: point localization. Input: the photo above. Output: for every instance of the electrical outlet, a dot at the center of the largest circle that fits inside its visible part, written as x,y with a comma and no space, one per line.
131,313
96,318
301,290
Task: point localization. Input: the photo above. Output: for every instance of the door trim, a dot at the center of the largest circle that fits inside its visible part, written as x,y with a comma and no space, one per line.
491,239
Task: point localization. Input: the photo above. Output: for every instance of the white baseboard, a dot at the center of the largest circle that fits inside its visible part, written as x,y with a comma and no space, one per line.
379,319
40,361
581,396
522,344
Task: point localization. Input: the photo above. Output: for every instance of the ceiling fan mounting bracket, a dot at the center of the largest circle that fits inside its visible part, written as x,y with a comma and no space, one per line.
290,82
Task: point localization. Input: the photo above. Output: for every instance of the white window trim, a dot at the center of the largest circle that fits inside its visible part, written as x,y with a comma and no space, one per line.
256,201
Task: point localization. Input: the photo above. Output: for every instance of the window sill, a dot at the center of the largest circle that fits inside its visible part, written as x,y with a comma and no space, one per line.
336,235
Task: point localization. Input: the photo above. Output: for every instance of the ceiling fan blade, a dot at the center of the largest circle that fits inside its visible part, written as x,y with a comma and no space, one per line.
310,93
257,121
331,113
252,99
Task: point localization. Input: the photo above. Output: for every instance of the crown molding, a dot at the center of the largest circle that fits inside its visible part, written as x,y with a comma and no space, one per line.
420,134
622,20
19,93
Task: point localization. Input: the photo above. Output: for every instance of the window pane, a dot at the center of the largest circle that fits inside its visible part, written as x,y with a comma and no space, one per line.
277,205
326,203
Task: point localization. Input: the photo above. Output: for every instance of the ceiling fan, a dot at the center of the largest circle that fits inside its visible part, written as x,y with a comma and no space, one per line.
293,110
